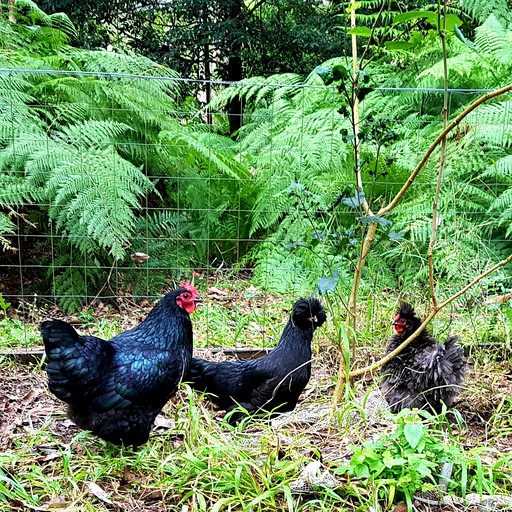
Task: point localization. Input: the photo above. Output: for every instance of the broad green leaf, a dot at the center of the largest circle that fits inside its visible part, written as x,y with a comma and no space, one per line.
452,21
295,245
431,17
460,36
413,15
393,235
340,72
413,433
356,200
362,471
360,31
325,73
398,45
362,92
328,283
381,221
390,461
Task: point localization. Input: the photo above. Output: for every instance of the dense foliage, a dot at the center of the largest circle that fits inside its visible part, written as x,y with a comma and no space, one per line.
109,163
298,140
268,36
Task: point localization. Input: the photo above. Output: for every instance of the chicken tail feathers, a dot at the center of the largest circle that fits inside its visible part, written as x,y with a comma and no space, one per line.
57,333
454,354
308,312
451,342
196,374
73,363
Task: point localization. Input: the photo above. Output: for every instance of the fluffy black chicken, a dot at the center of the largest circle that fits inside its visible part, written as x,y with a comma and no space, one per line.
272,382
426,372
117,388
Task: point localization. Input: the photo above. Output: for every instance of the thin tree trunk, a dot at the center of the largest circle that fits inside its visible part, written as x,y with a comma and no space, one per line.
235,106
234,69
12,18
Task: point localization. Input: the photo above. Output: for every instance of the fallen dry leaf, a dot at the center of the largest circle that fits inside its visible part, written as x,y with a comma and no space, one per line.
216,291
58,503
256,327
139,257
97,491
163,422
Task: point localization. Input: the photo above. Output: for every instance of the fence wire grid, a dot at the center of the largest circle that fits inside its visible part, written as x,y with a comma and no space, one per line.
173,232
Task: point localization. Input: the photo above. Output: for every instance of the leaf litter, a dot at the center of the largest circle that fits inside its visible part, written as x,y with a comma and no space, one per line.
27,406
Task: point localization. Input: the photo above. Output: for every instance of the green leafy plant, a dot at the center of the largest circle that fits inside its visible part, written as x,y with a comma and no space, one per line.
404,461
4,306
308,193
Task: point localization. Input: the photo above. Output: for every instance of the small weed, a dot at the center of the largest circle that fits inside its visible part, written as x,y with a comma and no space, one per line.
4,306
406,460
16,334
501,420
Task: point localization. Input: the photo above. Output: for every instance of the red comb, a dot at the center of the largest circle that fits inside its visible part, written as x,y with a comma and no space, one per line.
190,287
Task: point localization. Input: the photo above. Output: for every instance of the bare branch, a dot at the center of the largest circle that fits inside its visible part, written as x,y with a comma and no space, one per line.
435,223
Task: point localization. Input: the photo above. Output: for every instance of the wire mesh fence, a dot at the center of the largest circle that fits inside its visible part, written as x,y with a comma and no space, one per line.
116,186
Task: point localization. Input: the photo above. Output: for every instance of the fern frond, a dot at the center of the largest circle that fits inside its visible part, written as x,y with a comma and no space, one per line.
256,89
6,227
494,39
481,9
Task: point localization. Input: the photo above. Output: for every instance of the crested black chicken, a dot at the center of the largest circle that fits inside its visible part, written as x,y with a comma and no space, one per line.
426,373
271,383
116,388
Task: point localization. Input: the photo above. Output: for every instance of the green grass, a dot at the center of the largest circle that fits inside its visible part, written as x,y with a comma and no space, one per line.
205,465
17,334
200,463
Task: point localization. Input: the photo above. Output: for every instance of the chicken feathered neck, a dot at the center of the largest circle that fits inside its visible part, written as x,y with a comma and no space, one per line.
169,315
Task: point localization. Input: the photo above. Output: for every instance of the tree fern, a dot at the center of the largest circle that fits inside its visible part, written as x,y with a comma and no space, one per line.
162,235
6,227
302,153
92,191
35,29
493,38
256,89
73,277
481,9
92,151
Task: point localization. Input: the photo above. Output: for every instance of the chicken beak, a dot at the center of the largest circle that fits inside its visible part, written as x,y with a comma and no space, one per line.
198,299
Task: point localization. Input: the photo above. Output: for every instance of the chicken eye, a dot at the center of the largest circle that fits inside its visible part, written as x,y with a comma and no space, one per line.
185,295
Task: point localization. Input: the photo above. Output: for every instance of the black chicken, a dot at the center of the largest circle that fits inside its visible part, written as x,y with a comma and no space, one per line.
272,382
117,388
426,372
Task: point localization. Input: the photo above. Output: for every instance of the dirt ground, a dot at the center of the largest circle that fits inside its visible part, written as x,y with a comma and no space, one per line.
26,404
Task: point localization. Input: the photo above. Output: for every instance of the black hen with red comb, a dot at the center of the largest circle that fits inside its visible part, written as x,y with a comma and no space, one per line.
272,383
426,373
116,388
